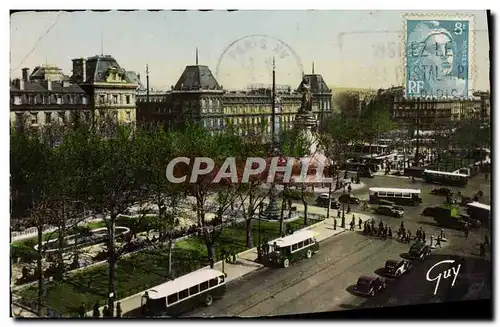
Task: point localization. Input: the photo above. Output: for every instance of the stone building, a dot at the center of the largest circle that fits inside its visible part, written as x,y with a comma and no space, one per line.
46,96
198,96
98,85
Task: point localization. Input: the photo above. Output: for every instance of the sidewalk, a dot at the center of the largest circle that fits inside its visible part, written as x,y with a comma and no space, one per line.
245,263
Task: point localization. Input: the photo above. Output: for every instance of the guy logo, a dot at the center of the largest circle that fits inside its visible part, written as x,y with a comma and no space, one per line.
445,274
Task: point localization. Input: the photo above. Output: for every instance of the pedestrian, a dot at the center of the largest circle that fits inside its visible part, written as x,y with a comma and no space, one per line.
144,302
438,242
105,312
466,230
423,236
360,222
118,310
338,213
419,235
353,219
95,310
402,226
81,310
389,232
352,225
335,224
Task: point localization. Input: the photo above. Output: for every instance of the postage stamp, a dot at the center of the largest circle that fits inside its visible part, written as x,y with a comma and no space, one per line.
438,60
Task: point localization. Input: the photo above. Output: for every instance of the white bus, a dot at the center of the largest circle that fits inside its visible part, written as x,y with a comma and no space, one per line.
479,211
186,293
445,178
293,247
403,196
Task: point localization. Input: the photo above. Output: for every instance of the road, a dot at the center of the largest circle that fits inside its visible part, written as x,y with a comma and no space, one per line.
324,282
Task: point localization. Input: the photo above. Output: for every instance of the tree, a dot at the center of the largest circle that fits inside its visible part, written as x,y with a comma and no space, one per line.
375,120
31,178
193,141
297,144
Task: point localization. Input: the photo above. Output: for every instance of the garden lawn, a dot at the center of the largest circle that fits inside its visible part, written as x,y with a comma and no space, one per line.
147,269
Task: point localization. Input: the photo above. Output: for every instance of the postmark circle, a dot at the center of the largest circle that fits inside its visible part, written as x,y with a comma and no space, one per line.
248,61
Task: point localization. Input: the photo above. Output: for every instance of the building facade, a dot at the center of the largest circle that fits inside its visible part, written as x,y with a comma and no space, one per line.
98,86
198,96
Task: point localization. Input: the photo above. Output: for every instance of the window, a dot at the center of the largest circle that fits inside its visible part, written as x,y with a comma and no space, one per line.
398,195
294,247
213,282
406,195
102,99
115,99
128,115
183,294
34,118
221,278
203,286
48,117
307,242
194,290
381,194
390,194
127,99
171,299
62,116
87,116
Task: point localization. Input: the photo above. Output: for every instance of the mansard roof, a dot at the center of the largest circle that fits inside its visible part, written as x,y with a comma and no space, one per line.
197,77
317,84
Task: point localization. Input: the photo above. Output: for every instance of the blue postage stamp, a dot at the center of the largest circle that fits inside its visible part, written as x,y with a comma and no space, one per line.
438,56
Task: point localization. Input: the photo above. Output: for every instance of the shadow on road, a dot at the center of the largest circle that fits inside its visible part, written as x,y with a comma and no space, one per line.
349,306
429,223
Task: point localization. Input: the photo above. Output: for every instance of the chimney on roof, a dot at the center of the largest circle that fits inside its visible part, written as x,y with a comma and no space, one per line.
49,85
79,70
26,74
19,83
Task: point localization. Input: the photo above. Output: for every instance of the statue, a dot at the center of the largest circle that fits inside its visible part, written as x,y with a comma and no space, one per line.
306,103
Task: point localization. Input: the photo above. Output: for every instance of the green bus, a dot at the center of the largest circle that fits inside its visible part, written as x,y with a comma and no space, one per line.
301,244
445,178
186,293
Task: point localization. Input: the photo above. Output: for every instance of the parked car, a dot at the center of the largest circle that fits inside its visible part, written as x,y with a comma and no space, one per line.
419,250
396,268
466,200
390,211
346,198
473,223
322,201
370,285
442,191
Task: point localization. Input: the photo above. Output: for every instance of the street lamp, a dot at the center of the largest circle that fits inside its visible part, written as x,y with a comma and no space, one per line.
343,210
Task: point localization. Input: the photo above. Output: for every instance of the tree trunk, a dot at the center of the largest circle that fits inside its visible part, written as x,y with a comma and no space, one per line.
304,202
329,200
170,245
60,253
282,218
248,227
210,252
39,269
111,264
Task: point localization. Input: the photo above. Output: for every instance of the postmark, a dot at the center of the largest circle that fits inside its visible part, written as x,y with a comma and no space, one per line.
438,56
249,60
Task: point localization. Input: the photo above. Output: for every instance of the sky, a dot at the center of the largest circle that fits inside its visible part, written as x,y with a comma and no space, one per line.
349,48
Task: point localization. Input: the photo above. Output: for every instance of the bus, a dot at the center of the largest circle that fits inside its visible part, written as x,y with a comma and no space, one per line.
479,211
186,293
291,248
403,196
445,178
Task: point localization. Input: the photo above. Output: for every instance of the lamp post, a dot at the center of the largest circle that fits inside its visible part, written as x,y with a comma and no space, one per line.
343,210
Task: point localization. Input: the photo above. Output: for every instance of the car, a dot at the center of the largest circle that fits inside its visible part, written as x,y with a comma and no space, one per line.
390,211
370,285
442,191
346,198
419,250
396,268
322,201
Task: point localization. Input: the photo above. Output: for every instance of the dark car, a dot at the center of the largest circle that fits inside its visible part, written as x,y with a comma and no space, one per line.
346,198
419,250
396,268
473,223
442,191
322,201
466,200
390,211
369,285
